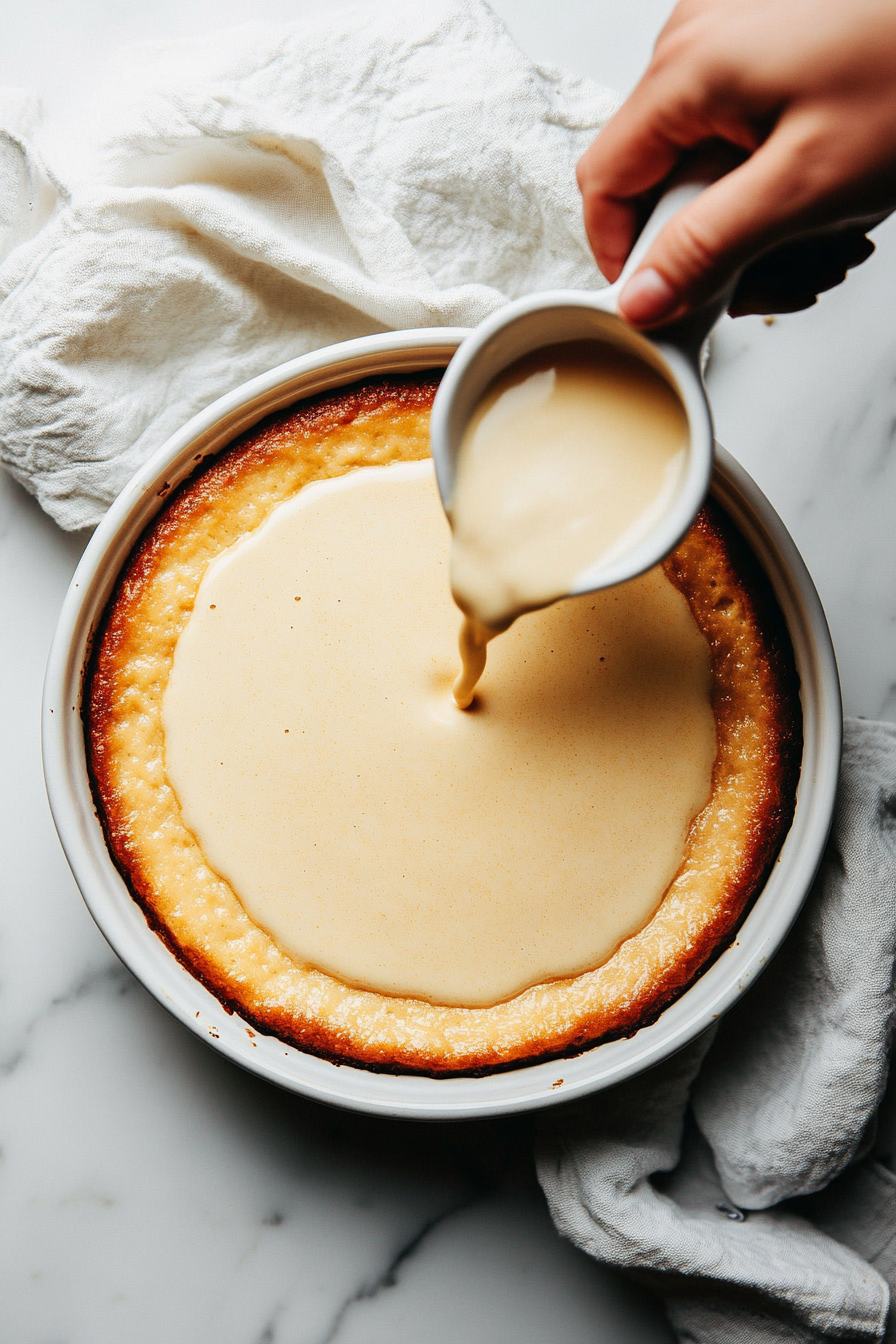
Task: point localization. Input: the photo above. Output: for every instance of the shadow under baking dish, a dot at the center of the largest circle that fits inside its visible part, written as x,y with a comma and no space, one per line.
411,1097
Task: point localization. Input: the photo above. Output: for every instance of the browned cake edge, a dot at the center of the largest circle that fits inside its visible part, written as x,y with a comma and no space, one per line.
734,570
738,571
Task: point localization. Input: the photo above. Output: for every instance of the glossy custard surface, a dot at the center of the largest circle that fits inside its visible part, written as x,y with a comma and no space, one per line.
372,828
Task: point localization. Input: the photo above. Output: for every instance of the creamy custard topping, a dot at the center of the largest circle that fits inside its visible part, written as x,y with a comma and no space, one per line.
472,643
374,830
571,457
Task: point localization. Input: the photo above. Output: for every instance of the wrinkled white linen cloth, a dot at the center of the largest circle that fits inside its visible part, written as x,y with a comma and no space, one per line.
739,1178
265,194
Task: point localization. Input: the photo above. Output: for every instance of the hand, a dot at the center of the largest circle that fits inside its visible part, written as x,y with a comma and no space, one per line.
805,90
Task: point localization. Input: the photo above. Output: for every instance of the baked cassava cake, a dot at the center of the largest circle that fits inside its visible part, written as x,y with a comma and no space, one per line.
348,861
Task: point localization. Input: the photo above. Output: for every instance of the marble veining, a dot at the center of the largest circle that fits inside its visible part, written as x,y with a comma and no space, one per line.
101,978
152,1192
389,1277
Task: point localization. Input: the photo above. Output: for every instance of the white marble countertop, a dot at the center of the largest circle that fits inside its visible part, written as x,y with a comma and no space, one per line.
151,1192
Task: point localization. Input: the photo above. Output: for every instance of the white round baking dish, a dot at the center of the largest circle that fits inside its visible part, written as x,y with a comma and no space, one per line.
124,925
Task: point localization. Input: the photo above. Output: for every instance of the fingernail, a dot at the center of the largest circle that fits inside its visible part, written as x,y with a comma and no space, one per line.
647,298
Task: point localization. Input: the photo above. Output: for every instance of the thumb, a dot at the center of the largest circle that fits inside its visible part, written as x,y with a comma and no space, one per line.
770,197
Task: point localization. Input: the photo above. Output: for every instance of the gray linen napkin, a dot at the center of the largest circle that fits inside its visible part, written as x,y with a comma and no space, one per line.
739,1177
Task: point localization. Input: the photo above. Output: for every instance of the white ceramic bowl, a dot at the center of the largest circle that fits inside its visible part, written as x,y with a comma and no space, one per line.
124,925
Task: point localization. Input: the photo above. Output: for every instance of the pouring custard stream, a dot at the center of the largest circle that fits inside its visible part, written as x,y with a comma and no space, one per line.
571,457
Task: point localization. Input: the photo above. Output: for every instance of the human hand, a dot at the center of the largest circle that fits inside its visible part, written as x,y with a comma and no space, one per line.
806,92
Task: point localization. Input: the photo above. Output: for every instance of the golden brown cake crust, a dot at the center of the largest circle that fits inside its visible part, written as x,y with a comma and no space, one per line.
758,721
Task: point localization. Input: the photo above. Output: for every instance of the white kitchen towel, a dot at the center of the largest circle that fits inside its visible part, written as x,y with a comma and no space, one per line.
262,195
739,1178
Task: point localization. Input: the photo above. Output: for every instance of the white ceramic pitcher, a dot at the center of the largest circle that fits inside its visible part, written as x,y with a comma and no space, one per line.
556,316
